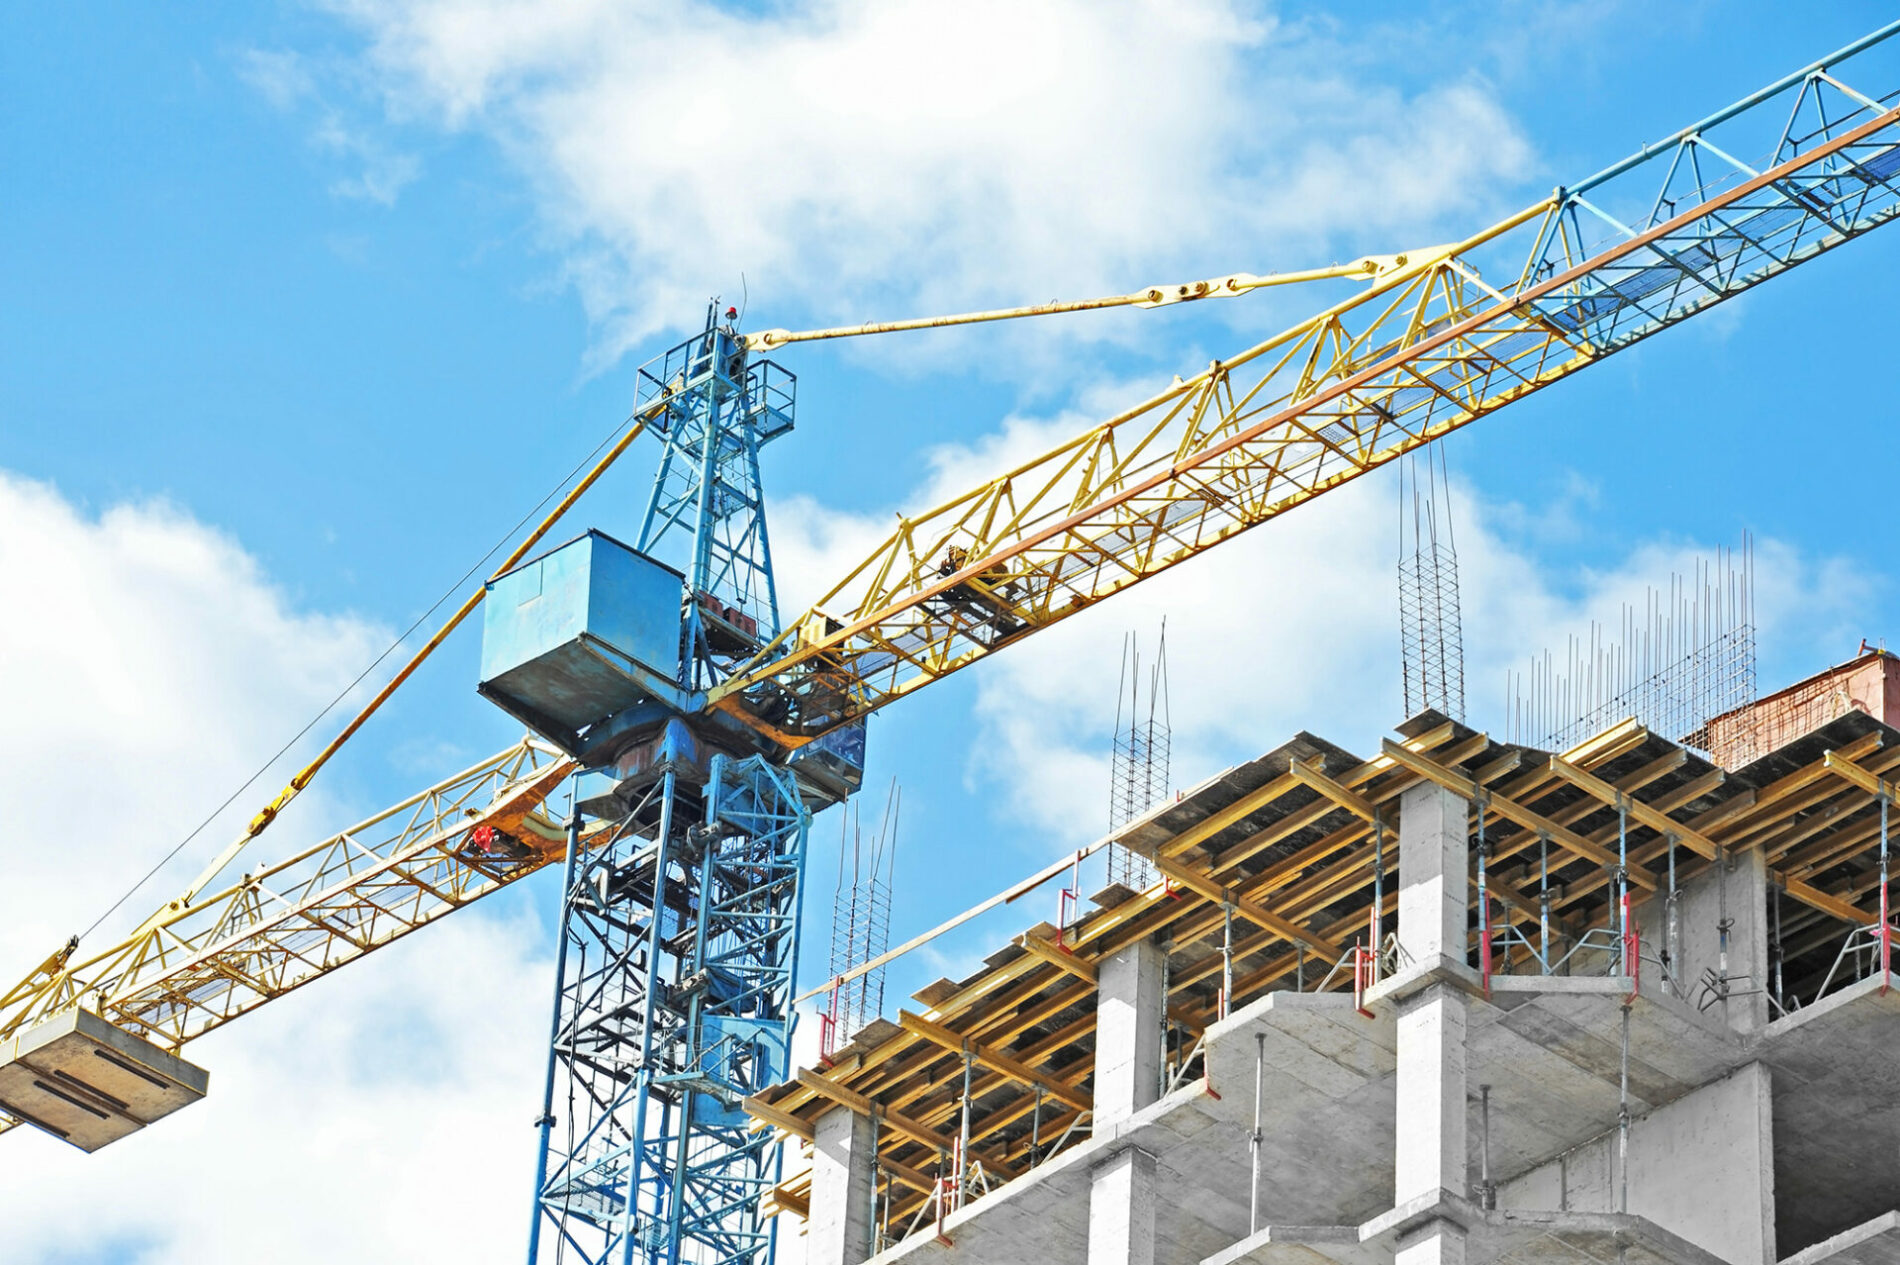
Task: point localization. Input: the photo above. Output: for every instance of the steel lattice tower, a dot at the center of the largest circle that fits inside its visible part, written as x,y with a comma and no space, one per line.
679,938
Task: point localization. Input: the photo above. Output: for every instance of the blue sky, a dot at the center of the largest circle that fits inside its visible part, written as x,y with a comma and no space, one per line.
319,299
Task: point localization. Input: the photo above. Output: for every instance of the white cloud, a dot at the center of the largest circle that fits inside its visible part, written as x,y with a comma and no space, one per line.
381,174
160,666
149,663
289,81
856,158
281,77
377,1117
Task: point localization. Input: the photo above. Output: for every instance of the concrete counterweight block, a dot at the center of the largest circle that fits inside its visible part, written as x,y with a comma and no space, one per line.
81,1079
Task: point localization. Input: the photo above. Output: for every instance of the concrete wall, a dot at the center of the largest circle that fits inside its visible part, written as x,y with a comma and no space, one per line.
1738,890
1702,1167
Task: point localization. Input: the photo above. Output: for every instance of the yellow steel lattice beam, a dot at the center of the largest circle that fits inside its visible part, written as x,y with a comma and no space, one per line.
1423,349
197,966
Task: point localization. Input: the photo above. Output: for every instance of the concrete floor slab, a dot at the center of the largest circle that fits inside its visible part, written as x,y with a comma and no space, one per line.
1549,1050
1512,1238
1836,1068
1875,1242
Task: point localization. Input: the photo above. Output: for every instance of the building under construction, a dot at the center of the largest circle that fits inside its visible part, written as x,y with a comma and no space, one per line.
1608,988
1458,1002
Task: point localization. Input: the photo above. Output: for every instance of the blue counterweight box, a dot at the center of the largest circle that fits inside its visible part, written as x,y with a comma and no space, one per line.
581,633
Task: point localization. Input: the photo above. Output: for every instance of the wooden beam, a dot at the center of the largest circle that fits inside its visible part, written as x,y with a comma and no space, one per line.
994,1059
1352,801
896,1121
1847,770
1225,817
1618,739
1833,906
1459,784
1259,915
764,1113
1808,774
1644,815
779,1199
1255,799
906,1174
1060,958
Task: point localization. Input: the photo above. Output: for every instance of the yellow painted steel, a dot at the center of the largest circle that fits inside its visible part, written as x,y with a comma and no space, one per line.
296,785
1420,351
286,923
1427,346
1239,283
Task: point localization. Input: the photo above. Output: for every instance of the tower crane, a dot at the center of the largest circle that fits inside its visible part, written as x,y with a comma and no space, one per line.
700,731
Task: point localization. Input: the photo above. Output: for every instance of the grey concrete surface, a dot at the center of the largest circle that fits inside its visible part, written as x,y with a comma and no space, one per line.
1836,1067
1521,1238
843,1148
1701,1167
1875,1242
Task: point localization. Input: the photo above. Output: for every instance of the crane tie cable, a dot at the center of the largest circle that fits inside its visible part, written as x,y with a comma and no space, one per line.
303,777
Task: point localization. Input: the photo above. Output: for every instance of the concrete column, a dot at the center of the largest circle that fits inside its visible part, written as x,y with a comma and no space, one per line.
1434,875
843,1202
1122,1210
1127,1033
1736,891
1430,1132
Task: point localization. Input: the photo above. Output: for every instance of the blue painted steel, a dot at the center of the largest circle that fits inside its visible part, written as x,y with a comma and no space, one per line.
1777,88
665,1024
1685,263
679,936
580,633
720,408
832,765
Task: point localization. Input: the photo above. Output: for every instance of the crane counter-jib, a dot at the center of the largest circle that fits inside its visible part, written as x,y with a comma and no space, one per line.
289,922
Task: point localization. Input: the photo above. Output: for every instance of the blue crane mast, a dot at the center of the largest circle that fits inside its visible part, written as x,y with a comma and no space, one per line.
679,937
